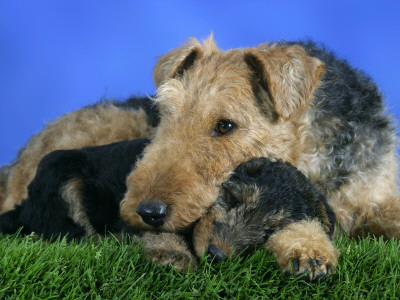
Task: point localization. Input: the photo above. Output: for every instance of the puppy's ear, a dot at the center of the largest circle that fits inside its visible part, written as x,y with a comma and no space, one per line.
173,64
287,75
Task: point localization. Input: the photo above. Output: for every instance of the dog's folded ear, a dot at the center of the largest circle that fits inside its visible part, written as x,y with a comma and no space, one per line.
179,60
176,62
287,75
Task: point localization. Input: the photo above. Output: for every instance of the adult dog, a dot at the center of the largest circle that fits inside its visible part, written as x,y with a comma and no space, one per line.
292,101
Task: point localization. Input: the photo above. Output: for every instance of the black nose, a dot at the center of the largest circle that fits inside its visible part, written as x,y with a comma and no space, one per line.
216,254
153,212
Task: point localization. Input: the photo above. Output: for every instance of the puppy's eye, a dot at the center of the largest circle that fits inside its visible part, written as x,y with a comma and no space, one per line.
232,201
223,127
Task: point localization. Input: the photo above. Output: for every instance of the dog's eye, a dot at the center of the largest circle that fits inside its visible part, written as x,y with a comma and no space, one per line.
223,127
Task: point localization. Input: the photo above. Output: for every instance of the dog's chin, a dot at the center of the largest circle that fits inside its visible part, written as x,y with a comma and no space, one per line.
177,226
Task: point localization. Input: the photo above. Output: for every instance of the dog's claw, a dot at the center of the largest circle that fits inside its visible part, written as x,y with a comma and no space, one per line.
295,264
311,270
312,262
328,269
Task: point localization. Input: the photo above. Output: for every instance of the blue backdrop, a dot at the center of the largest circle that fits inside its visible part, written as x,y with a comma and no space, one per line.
57,56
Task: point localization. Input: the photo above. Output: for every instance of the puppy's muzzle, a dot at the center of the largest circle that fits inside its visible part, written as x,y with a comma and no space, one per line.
215,254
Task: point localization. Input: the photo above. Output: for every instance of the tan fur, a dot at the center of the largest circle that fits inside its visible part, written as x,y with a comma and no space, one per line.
71,193
3,193
303,240
190,107
164,249
89,126
168,249
168,64
370,203
203,232
246,193
292,77
187,176
4,173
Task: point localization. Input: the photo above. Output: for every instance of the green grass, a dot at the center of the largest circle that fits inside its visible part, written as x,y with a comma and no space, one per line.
109,269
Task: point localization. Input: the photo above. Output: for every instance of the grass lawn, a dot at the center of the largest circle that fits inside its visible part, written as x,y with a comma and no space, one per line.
31,269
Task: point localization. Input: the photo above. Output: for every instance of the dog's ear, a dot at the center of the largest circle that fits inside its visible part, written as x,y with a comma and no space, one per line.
287,75
173,64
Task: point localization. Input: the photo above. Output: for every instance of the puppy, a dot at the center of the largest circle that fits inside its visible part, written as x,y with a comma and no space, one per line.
271,204
76,193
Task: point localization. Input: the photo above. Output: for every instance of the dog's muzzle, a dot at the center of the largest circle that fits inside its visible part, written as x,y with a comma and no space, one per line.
153,212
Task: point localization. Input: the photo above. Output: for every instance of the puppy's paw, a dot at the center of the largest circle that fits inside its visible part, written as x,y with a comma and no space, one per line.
303,248
168,249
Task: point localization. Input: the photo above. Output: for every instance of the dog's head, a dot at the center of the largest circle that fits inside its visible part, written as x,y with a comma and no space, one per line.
218,109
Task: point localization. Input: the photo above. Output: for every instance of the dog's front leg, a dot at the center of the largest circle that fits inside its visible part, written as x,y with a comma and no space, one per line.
168,249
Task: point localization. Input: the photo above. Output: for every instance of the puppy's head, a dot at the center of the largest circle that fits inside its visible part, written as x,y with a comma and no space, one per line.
261,197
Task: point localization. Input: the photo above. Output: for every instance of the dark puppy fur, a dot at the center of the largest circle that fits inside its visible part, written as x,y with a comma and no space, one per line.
76,192
273,204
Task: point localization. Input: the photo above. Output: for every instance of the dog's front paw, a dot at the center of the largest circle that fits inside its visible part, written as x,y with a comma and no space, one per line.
303,248
168,249
181,261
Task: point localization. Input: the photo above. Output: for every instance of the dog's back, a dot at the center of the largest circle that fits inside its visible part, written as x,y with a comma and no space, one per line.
349,121
99,124
4,174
